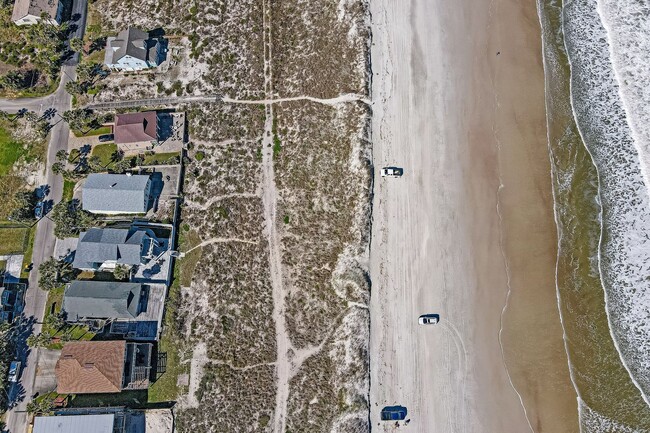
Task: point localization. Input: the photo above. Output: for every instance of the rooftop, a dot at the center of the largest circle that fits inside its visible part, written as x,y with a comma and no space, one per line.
102,300
74,424
22,8
88,367
97,246
131,42
136,127
111,193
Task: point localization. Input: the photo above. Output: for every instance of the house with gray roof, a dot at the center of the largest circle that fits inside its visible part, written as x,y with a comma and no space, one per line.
132,310
102,300
116,193
132,50
104,249
28,12
97,423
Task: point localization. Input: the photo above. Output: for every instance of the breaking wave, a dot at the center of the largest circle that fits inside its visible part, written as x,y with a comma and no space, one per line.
611,103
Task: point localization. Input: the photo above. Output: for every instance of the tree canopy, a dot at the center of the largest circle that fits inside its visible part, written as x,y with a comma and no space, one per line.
70,219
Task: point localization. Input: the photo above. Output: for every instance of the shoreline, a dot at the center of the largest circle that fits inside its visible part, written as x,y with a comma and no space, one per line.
534,348
595,361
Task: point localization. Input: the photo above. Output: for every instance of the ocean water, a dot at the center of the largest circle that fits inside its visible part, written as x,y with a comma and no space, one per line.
597,71
624,255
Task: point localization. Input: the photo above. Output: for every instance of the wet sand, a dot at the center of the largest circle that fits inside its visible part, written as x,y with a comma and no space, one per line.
471,217
532,333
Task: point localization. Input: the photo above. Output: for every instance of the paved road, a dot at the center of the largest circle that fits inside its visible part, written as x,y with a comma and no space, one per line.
44,241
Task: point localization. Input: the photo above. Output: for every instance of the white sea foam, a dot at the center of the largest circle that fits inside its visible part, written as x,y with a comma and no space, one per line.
627,23
592,421
624,258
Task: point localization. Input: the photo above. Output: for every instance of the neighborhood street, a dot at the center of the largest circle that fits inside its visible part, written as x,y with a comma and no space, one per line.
35,298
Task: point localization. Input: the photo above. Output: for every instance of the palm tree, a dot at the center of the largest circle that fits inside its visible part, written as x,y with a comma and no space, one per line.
77,45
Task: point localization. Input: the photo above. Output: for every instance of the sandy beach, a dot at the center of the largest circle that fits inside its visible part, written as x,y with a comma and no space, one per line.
468,232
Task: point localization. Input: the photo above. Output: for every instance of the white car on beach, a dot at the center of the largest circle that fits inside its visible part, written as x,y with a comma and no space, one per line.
429,319
392,172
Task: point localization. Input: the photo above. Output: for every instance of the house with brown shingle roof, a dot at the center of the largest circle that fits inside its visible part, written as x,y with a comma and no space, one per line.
92,367
28,12
136,127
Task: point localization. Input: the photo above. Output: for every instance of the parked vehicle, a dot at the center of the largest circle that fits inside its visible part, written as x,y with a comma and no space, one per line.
429,319
106,137
393,413
38,210
392,172
14,371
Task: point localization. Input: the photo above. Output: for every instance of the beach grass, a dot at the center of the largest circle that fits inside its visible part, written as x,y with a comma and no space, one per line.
166,387
159,158
11,151
29,250
13,240
68,189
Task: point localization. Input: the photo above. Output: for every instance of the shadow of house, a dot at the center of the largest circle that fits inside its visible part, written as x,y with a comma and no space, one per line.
157,186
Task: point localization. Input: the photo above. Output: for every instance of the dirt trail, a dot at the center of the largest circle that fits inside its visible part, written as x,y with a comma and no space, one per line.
341,99
269,200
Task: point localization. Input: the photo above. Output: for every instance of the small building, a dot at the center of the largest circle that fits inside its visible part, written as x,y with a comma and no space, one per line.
96,423
28,12
132,50
141,127
116,193
131,310
104,249
93,367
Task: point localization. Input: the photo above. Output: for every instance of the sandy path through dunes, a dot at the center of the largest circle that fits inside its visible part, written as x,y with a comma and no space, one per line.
445,112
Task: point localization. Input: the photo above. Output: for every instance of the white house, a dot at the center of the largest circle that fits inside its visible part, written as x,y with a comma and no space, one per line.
132,50
28,12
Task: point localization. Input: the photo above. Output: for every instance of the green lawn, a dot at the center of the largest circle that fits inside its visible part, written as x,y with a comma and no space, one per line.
13,240
159,158
104,152
78,333
68,189
92,132
186,265
132,399
10,151
53,305
28,252
166,387
54,300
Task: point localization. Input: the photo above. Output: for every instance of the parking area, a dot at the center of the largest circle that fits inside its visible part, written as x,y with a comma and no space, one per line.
13,267
45,380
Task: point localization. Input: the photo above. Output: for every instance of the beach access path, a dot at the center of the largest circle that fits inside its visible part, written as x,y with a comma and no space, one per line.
456,87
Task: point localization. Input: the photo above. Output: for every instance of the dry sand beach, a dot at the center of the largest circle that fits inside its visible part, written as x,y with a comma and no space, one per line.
468,232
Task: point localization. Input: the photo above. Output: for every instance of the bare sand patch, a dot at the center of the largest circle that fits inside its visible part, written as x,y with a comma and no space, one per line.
458,101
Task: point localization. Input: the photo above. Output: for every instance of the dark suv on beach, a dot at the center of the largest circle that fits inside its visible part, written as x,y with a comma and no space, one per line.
393,413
